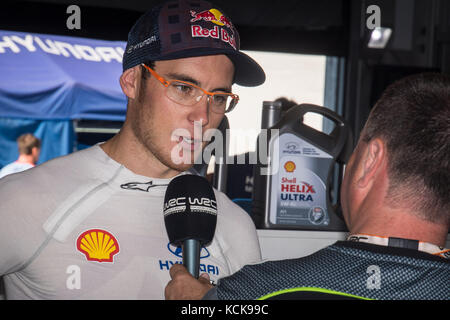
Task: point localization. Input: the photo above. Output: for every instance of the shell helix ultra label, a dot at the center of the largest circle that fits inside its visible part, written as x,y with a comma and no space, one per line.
298,194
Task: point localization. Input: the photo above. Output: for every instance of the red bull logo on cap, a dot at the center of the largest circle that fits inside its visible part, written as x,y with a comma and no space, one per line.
216,17
212,15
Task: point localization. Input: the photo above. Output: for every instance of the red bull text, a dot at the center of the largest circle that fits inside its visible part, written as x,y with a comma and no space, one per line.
216,17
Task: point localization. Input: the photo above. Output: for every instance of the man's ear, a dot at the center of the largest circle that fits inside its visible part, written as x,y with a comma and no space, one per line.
129,82
371,161
35,151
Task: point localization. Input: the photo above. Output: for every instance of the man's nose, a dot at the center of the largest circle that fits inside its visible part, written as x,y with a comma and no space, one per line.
200,111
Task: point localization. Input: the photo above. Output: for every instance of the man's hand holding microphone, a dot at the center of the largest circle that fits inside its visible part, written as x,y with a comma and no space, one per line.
190,216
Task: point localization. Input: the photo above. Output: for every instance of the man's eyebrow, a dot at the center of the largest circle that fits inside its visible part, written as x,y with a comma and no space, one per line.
182,77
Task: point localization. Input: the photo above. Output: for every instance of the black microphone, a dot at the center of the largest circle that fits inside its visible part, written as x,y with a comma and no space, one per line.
190,216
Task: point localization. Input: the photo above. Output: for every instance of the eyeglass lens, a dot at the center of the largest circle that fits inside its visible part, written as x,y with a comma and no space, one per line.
186,94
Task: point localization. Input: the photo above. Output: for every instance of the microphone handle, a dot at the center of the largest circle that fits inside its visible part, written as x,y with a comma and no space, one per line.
191,256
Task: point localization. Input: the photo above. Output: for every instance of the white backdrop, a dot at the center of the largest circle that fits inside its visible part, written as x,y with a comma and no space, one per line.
297,77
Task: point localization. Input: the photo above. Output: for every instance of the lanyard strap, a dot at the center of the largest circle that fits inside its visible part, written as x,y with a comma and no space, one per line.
402,243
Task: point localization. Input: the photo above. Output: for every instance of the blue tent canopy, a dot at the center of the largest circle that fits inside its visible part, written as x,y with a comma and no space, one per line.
46,81
56,77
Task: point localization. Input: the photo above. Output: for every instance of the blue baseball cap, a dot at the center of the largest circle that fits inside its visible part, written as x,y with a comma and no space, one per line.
189,28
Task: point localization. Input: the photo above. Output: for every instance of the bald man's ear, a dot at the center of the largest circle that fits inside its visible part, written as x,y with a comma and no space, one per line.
129,82
371,162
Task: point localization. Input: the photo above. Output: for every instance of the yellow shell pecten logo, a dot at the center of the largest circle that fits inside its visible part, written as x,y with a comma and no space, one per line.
98,245
289,166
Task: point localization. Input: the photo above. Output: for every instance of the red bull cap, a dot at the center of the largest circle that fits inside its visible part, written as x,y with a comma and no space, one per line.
181,29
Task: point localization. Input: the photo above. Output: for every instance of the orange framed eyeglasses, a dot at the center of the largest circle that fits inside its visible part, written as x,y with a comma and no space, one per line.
188,94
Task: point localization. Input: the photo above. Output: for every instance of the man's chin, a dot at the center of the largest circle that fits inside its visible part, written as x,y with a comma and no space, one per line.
180,167
182,159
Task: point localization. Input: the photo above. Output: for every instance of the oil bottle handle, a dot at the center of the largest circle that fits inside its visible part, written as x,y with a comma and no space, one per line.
305,108
342,141
340,133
